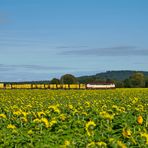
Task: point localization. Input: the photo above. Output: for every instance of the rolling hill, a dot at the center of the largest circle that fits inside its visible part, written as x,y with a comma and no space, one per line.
110,75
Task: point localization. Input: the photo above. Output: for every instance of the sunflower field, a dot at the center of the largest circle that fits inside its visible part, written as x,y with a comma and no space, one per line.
74,118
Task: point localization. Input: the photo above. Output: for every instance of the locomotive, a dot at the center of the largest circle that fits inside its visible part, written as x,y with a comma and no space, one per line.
58,86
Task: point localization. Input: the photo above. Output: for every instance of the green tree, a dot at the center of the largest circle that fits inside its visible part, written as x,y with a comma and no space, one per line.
119,84
146,82
68,79
127,83
137,80
55,81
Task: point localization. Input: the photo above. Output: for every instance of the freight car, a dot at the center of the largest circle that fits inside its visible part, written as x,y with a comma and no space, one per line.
1,85
58,86
42,86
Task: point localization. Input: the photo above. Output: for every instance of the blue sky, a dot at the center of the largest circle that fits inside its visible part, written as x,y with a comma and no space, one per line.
42,39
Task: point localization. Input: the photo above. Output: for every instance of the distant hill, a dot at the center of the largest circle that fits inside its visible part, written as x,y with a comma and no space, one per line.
103,76
110,75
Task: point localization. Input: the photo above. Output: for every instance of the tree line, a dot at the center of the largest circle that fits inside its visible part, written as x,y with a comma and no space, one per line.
136,80
65,79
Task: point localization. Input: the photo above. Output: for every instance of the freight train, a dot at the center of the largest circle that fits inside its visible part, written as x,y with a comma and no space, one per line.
58,86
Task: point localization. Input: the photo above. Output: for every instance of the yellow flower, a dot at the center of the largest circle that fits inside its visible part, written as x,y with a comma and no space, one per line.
87,104
84,113
106,115
62,117
40,114
67,143
30,132
45,121
146,136
24,119
140,108
115,106
122,109
91,144
37,120
121,144
17,113
102,144
135,100
24,114
104,107
70,106
111,139
54,108
10,126
88,125
2,116
75,111
140,120
52,122
126,133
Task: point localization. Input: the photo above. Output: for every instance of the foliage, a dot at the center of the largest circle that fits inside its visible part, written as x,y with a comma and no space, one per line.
74,118
137,80
55,81
146,82
119,84
68,79
127,83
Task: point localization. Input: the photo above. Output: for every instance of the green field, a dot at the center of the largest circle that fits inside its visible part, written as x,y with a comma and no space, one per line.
74,118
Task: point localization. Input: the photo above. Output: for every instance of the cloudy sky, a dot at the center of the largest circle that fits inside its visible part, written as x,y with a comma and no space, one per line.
42,39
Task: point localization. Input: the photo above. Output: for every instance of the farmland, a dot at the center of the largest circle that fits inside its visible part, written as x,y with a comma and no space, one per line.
74,118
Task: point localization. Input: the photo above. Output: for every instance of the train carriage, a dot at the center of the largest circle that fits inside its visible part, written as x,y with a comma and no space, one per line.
47,86
38,86
65,86
83,86
74,86
53,86
7,86
59,86
1,85
21,86
100,85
